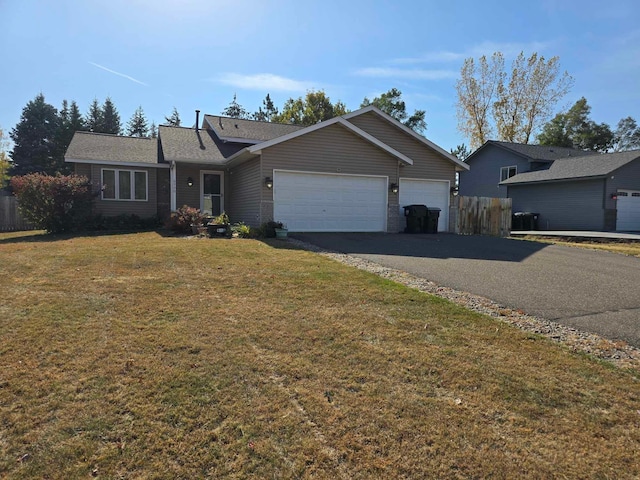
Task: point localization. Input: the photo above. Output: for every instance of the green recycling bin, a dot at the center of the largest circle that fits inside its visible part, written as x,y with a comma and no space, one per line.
431,224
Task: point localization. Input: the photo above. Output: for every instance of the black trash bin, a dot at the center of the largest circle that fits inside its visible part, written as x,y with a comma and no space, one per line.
529,221
416,216
431,225
517,222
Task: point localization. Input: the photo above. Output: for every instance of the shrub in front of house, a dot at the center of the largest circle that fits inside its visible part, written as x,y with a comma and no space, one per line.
59,203
183,218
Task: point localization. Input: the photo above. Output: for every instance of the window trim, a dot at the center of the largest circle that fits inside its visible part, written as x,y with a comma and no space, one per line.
132,185
508,169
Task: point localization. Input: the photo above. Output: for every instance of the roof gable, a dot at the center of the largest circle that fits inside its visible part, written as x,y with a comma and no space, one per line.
399,125
180,144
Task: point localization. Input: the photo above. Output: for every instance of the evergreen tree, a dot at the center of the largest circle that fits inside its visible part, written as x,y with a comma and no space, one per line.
70,121
153,130
174,119
235,110
574,128
461,151
269,112
94,117
110,122
34,138
137,126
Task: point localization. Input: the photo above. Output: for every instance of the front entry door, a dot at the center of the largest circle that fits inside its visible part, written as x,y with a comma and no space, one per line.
211,202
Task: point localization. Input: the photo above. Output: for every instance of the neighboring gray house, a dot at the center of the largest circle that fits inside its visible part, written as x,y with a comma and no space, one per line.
591,192
496,161
349,173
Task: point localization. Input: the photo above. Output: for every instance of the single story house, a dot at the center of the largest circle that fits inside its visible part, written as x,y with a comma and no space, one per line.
497,161
350,173
591,192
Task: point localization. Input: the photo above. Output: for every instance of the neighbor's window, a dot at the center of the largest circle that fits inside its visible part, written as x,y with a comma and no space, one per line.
507,172
124,185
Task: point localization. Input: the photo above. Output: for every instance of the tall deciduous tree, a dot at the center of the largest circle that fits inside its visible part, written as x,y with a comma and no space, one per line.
515,103
627,135
575,129
235,110
174,119
137,126
270,110
34,138
391,103
313,108
110,118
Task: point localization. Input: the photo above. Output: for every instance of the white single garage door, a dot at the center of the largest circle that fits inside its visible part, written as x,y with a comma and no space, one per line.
432,193
318,202
628,217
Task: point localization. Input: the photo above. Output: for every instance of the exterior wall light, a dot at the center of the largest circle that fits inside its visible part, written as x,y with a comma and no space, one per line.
614,196
190,182
394,188
268,181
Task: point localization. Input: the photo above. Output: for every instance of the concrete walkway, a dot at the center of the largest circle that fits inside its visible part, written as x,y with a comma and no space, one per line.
578,234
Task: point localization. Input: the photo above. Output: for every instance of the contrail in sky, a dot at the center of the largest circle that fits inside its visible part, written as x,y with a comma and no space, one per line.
119,74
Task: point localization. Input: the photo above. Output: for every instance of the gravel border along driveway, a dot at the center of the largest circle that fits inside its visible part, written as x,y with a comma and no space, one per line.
619,352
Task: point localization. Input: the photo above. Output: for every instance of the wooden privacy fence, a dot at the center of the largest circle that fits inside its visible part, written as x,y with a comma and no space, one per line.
481,216
10,218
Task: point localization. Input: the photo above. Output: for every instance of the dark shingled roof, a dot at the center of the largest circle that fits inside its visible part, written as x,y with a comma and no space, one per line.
181,144
112,148
575,168
226,127
542,152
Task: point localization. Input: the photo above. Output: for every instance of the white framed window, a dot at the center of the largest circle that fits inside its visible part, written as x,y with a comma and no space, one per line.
508,172
128,185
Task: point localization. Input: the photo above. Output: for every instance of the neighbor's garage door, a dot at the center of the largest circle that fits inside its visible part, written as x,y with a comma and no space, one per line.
432,193
315,202
628,210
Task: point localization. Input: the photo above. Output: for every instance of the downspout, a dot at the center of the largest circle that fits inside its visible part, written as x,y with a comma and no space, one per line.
173,185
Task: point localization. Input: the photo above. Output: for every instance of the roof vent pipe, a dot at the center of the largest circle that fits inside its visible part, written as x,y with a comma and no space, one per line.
197,119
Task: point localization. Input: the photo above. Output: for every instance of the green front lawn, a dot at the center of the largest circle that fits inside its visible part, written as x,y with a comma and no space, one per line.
143,356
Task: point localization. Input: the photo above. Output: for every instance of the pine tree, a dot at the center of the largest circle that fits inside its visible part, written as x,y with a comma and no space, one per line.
94,117
174,119
235,110
34,138
270,110
110,118
153,130
137,126
70,121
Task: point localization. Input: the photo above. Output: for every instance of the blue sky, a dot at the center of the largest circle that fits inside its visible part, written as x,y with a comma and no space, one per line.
195,54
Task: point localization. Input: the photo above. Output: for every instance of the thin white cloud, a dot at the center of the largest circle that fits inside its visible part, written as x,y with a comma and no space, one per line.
510,50
264,81
408,74
118,73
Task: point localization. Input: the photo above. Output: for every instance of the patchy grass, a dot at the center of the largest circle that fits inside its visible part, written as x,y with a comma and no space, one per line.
138,356
625,247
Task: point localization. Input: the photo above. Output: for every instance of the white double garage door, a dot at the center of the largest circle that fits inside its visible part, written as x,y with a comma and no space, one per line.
628,205
320,202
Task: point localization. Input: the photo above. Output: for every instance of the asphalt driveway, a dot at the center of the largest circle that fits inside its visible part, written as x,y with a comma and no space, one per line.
590,290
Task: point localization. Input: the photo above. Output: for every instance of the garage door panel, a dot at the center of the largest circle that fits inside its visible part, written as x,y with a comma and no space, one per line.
315,202
432,193
628,205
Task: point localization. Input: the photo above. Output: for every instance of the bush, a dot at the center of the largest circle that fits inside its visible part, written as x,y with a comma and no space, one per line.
60,203
241,230
181,220
268,229
222,219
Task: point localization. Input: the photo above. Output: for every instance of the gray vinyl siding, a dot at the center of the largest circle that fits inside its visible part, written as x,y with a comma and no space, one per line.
627,177
484,175
244,193
427,163
332,149
576,205
190,195
110,208
163,186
